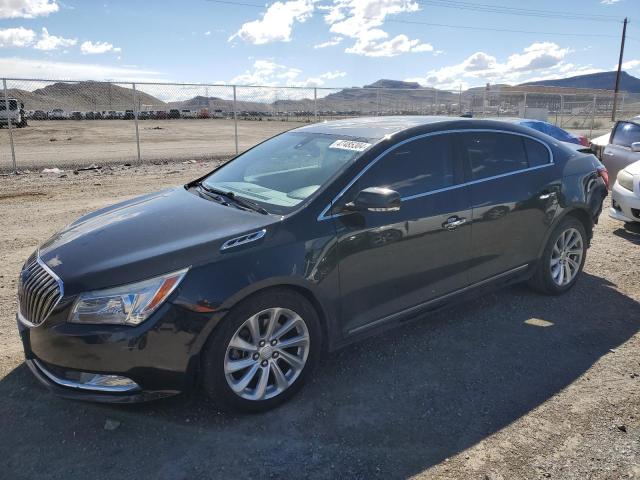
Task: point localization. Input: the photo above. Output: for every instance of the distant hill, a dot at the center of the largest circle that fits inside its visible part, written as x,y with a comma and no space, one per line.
83,96
602,81
384,83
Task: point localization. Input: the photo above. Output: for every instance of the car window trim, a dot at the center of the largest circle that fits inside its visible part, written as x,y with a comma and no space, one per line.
323,214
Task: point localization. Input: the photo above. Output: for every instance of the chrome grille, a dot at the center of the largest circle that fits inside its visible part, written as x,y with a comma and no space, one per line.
39,291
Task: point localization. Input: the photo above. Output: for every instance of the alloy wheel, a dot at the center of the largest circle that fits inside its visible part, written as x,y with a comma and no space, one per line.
566,257
266,354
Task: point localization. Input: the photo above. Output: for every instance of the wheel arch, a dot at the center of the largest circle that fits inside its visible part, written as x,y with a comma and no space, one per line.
580,213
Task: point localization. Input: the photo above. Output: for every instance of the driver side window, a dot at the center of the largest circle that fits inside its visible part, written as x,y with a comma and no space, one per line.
416,167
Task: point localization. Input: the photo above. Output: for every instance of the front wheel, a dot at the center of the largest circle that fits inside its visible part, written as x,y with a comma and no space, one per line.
263,351
563,258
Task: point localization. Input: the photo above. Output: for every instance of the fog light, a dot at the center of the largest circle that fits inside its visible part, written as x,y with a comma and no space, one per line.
107,381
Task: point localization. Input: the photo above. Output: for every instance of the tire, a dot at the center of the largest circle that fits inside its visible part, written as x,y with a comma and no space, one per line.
283,379
547,278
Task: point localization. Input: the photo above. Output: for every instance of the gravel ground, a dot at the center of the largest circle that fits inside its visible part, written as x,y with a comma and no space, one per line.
514,385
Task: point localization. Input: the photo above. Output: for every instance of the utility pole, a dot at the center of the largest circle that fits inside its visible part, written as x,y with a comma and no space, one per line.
615,93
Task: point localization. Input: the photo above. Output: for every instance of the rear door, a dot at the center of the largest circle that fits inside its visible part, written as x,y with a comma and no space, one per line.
395,260
513,191
618,154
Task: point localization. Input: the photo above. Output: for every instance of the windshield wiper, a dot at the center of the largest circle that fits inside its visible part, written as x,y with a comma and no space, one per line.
239,201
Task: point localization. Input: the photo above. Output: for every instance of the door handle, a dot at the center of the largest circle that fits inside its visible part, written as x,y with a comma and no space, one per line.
453,222
547,195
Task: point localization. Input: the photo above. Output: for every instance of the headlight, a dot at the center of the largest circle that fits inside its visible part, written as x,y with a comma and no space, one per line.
126,305
625,180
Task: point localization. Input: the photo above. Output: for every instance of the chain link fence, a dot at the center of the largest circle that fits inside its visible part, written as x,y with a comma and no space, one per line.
51,123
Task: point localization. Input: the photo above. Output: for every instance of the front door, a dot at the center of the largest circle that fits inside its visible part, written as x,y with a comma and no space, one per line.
618,154
395,260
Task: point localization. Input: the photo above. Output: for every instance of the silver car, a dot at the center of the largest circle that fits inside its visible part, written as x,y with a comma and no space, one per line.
624,146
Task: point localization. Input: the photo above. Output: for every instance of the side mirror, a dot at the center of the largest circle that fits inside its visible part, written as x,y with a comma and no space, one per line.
375,199
635,147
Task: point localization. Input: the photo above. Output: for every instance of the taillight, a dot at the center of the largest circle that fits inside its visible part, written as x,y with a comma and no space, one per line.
604,174
584,141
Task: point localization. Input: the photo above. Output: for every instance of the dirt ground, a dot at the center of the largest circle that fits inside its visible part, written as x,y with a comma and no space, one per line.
62,143
514,385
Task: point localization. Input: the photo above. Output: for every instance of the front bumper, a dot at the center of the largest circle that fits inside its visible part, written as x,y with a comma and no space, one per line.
626,204
161,355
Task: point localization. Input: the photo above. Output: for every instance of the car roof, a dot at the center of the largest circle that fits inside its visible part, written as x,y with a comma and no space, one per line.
376,128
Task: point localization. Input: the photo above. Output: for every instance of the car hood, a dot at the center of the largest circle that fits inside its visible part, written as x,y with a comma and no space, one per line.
634,168
143,237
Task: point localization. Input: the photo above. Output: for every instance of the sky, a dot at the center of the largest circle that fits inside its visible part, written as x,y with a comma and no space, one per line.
447,44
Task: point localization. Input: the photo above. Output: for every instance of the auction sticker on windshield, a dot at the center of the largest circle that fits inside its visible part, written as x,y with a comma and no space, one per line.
350,145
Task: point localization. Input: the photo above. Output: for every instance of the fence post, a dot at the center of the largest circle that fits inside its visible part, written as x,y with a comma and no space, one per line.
561,110
622,106
235,118
315,104
6,106
377,102
135,120
593,115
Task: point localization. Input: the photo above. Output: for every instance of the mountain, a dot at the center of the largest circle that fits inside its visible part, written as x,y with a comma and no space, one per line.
84,96
384,83
601,81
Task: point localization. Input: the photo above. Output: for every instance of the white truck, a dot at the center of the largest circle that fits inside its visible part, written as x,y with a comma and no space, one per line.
15,115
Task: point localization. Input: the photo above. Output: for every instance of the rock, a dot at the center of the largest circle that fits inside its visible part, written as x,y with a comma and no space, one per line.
622,428
111,425
54,170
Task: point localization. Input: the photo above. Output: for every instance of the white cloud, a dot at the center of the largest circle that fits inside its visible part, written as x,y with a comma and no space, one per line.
329,43
540,58
51,42
276,23
629,65
27,68
90,48
16,37
207,33
27,8
333,75
268,73
609,2
362,19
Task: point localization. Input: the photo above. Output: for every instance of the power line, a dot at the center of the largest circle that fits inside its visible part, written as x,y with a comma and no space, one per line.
445,25
491,8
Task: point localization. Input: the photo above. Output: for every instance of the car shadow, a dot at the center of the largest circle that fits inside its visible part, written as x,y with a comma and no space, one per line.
388,407
631,232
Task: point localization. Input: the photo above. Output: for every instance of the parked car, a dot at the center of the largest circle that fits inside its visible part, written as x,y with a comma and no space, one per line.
40,115
625,194
143,115
57,114
174,113
15,115
76,116
552,130
128,115
161,115
624,146
241,279
188,113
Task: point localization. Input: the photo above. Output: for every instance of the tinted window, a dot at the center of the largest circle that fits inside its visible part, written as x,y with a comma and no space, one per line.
416,167
490,154
537,153
626,134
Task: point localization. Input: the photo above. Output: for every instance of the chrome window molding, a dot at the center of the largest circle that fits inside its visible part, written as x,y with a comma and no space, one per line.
243,239
323,215
58,280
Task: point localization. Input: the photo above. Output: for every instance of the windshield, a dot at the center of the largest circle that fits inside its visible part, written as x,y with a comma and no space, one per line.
283,171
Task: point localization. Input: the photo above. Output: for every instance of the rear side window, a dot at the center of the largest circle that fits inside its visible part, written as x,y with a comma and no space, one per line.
537,153
490,154
626,133
416,167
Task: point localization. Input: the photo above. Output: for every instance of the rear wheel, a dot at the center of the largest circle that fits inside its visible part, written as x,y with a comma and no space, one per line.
263,351
563,258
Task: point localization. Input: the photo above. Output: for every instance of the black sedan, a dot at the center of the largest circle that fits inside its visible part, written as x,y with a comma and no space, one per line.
240,280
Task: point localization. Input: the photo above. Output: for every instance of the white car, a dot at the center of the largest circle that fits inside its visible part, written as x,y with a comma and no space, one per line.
625,195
